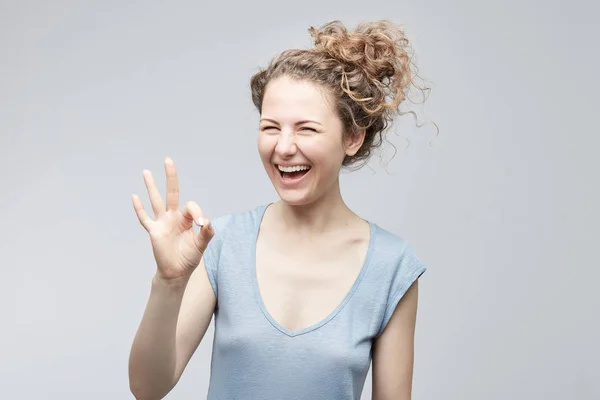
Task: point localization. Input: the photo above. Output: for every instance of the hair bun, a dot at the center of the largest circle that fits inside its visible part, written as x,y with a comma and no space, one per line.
379,48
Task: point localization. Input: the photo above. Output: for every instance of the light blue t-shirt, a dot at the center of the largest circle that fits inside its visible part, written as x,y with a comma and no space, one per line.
255,358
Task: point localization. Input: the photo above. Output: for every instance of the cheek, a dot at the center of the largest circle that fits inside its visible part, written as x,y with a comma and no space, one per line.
325,152
266,146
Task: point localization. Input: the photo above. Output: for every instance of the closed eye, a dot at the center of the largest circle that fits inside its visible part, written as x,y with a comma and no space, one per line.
305,128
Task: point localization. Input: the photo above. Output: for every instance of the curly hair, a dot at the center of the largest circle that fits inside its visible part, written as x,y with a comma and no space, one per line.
367,73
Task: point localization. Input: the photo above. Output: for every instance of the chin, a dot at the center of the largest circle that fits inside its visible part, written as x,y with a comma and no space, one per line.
295,199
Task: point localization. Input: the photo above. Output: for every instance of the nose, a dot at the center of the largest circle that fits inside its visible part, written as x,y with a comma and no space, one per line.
286,144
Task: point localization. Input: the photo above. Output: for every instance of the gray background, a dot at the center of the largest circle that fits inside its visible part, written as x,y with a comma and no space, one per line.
502,207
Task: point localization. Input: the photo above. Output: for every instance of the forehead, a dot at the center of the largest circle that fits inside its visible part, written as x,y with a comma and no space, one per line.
290,99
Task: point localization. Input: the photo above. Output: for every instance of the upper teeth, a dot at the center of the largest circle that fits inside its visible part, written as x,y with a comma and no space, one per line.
293,169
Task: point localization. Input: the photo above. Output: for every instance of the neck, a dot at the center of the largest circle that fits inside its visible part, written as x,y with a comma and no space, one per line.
325,214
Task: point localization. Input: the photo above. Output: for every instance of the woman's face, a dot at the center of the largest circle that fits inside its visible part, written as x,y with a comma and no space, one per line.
300,141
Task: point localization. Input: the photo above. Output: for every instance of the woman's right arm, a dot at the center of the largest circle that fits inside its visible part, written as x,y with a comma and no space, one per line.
176,318
181,301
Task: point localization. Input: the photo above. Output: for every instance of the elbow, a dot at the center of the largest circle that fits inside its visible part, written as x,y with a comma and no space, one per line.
146,388
139,393
143,394
143,390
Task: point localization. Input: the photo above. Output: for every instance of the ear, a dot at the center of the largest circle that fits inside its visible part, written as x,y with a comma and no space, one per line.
353,142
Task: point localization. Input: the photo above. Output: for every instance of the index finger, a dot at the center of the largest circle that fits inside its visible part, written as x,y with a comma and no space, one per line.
172,196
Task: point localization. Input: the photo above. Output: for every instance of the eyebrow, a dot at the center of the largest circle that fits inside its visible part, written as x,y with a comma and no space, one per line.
297,123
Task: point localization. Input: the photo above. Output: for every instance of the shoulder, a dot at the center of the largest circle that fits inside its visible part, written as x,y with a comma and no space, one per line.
395,268
394,262
391,248
239,222
231,231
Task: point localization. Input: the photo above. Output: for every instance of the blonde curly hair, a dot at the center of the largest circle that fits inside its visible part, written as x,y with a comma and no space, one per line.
367,73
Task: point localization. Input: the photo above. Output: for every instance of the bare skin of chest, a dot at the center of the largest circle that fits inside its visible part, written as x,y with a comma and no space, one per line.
302,281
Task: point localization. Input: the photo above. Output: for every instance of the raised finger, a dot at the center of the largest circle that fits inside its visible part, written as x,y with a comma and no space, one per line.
143,217
155,198
172,185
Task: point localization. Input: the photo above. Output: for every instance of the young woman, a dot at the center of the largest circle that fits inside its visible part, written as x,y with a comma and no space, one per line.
305,293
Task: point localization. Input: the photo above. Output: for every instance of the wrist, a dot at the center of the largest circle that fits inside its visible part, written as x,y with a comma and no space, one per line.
170,283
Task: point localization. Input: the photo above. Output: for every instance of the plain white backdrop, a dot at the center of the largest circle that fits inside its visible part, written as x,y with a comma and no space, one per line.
502,206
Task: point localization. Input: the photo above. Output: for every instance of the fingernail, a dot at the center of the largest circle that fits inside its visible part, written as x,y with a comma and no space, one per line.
200,222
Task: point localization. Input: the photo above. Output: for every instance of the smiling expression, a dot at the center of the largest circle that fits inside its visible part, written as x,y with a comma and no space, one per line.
301,140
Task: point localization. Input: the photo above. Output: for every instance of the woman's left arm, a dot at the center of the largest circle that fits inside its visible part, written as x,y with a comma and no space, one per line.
393,352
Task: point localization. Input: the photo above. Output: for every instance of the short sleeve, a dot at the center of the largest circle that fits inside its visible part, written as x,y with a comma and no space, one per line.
212,253
407,270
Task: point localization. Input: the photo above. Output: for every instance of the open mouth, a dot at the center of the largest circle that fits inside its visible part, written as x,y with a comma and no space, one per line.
293,172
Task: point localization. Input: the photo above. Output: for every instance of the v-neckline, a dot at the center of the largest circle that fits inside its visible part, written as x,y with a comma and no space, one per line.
296,332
